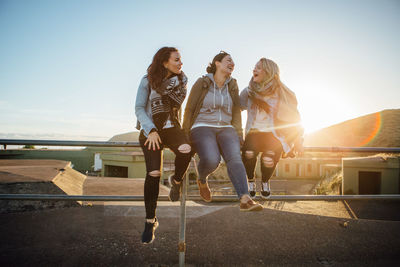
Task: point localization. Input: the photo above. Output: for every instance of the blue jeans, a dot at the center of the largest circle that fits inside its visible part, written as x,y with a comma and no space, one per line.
210,143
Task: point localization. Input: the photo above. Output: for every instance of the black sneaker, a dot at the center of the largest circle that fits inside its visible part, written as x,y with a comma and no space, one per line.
175,191
265,190
252,189
148,233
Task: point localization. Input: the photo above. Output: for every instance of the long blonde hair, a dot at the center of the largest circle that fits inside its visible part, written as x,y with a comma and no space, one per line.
271,69
287,99
272,83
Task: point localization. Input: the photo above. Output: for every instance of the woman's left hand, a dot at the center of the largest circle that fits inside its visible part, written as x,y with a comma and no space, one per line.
298,148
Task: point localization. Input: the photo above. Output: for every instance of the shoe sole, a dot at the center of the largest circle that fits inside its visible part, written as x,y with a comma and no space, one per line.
148,243
206,200
265,197
254,208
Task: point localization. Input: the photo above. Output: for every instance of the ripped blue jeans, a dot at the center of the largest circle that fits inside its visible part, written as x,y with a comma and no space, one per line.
210,144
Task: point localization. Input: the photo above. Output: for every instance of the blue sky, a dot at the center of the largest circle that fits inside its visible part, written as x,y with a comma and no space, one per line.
70,69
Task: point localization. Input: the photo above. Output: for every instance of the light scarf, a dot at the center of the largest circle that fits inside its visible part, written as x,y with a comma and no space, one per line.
167,99
287,103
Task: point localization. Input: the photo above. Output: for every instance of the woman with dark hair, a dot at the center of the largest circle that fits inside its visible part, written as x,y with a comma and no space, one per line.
213,120
273,123
158,102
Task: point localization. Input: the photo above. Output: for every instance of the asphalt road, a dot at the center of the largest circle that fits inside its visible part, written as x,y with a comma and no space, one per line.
220,236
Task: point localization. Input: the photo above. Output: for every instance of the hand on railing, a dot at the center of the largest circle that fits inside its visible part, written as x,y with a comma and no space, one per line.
298,149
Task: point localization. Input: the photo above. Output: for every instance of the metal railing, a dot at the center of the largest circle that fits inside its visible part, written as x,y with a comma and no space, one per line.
6,142
220,198
185,197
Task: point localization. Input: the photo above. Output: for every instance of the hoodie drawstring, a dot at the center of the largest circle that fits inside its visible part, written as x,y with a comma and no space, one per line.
214,94
226,95
227,98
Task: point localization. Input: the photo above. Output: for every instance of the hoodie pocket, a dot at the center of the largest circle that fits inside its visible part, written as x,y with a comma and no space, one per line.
207,110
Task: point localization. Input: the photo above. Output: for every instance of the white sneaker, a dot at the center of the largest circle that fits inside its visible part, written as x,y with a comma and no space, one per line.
265,190
252,189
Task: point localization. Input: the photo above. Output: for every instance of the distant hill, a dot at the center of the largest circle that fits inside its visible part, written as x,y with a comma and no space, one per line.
128,137
381,129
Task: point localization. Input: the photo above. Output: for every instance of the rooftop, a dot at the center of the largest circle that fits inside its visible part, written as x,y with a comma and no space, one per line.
217,234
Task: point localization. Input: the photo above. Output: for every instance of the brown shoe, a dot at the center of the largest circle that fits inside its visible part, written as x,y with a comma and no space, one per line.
205,192
250,205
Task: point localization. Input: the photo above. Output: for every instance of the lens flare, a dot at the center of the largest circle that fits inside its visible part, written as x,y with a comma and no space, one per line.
375,129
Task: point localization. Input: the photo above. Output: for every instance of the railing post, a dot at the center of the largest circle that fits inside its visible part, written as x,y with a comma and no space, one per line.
182,224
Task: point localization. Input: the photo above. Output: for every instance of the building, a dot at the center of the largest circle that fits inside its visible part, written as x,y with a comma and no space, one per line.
371,175
123,164
307,167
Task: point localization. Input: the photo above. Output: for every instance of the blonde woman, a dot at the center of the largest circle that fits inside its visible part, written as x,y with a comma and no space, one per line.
273,123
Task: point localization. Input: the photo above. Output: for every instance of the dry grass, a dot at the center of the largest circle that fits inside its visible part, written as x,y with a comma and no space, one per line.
385,156
330,185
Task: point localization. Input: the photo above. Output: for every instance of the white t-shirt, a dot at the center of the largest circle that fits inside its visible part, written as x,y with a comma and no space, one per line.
263,121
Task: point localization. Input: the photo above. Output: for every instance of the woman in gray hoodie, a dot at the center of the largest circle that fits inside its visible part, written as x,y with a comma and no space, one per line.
212,119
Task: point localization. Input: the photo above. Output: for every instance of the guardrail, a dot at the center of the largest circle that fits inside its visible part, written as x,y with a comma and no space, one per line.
221,198
182,244
6,142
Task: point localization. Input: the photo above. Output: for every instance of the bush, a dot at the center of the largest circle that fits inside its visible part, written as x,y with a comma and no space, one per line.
330,185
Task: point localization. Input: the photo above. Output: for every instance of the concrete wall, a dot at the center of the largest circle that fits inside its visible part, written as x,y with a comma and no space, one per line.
82,160
306,167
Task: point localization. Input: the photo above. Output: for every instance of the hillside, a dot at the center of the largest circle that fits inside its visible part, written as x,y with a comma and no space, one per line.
127,137
381,129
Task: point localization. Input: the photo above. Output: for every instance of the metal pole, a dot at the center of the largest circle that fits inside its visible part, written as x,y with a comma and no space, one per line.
68,143
182,224
136,144
74,197
353,149
222,198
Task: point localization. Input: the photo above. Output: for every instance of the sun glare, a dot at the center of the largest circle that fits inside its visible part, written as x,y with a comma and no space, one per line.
375,130
313,120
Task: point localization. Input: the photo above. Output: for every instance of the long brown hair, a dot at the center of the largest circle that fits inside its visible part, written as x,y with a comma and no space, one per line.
156,72
212,68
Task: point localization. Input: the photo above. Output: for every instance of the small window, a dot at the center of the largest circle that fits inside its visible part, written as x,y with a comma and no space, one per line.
115,171
287,167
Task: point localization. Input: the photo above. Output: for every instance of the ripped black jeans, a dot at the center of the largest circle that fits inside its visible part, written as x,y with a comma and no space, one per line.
171,138
271,149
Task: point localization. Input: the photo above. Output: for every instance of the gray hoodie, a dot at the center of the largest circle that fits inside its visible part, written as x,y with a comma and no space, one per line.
217,106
